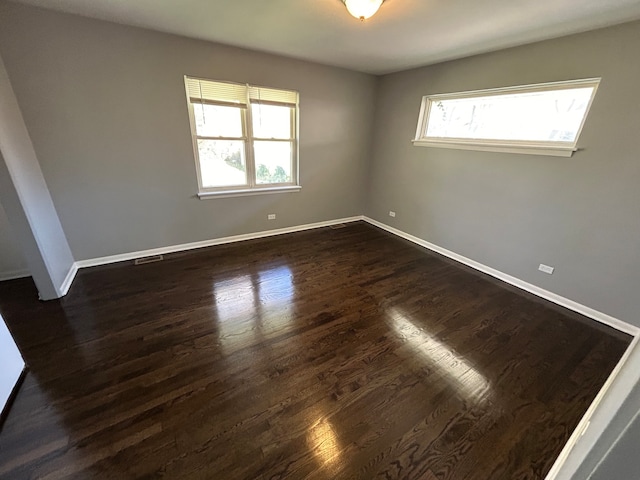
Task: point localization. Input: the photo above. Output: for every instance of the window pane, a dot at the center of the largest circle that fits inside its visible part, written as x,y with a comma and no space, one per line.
222,163
217,120
551,115
271,121
273,162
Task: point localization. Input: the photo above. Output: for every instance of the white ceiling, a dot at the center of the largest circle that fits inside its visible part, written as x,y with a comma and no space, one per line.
403,34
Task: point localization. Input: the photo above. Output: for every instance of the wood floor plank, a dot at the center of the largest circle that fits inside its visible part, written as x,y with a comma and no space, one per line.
325,354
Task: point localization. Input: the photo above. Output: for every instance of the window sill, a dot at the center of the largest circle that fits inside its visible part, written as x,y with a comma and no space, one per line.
248,192
548,150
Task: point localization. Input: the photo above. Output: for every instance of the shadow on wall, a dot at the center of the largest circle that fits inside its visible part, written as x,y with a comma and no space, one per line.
12,263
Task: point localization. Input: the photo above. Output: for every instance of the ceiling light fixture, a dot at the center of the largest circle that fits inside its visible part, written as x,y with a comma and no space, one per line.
363,9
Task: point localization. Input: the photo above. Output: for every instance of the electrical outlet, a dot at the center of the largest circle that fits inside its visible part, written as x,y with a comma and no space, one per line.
392,213
271,216
546,268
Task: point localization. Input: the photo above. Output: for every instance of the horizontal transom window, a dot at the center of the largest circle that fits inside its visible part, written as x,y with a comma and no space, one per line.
245,137
544,119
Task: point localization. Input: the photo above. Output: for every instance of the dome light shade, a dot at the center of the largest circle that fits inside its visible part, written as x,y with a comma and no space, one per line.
363,9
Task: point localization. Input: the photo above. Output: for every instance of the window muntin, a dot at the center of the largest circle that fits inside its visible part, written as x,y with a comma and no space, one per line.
545,119
241,149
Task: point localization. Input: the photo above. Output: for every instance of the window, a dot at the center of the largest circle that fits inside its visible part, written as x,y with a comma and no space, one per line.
544,119
244,137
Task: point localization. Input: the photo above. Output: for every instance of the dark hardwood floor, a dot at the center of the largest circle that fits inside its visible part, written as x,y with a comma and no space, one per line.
326,354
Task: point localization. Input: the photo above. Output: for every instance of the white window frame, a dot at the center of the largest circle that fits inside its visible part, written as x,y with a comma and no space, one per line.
251,187
552,148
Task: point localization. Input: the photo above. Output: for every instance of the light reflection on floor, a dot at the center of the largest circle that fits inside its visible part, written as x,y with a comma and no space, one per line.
323,442
242,304
440,358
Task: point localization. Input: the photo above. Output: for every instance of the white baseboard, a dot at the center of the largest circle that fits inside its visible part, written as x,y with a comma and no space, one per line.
608,401
611,396
68,280
93,262
516,282
540,292
14,274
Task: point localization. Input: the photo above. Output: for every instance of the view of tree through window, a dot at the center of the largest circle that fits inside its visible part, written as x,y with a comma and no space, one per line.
273,156
484,117
546,116
222,163
240,147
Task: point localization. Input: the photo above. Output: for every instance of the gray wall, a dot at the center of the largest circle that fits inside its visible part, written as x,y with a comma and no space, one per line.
622,461
25,197
513,212
106,110
12,262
